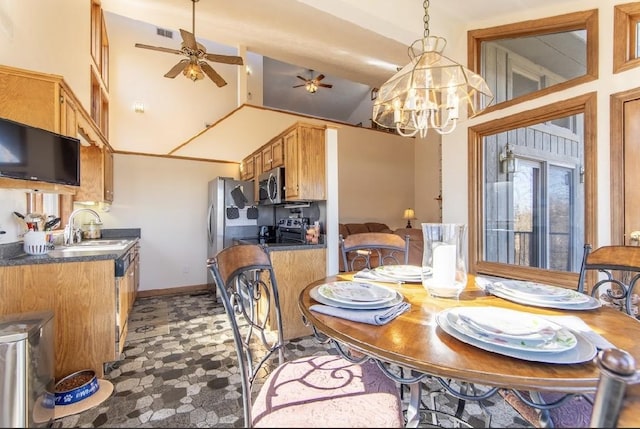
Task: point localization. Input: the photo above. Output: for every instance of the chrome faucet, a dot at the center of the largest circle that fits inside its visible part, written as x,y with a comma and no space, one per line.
73,234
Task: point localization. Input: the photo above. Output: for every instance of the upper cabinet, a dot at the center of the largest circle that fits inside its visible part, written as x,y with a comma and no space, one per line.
99,69
96,175
301,150
305,166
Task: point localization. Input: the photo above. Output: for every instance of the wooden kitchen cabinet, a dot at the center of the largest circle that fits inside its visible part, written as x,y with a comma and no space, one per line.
273,154
96,175
81,296
294,270
90,307
247,171
305,167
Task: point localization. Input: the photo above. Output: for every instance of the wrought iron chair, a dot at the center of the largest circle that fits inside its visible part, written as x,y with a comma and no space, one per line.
621,268
618,393
372,249
315,391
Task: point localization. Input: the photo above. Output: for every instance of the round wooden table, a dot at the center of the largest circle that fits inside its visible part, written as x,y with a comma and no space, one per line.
415,342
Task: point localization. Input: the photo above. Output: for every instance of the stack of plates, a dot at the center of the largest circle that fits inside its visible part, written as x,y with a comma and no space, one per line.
542,295
356,295
517,334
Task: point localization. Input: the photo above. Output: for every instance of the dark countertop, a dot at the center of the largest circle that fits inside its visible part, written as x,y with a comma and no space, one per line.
13,253
282,246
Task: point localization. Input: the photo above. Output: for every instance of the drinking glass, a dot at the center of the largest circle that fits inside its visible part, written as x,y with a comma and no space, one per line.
444,268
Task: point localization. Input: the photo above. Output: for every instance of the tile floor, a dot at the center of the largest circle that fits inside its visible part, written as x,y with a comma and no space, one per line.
188,378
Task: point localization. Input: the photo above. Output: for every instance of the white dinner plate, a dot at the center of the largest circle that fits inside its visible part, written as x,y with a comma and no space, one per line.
591,303
398,298
406,273
560,340
508,324
356,292
572,297
533,290
584,350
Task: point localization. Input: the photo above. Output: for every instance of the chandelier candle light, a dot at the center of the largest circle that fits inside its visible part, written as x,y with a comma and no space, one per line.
430,91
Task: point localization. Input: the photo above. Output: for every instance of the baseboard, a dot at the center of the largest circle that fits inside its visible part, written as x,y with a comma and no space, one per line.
183,290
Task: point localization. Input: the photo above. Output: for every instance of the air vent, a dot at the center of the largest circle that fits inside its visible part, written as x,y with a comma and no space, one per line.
164,33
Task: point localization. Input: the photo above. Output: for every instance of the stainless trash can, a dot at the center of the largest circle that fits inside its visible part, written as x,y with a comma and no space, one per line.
27,370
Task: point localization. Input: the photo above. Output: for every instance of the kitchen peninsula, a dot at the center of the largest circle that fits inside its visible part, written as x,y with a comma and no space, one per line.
90,293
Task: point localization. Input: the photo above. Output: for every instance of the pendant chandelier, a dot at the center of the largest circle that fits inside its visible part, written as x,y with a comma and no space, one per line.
430,91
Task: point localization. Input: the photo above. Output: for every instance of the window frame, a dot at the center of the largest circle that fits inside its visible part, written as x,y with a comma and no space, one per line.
626,18
584,20
585,104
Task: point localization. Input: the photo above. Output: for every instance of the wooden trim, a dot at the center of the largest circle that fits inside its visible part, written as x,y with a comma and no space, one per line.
585,104
587,20
616,145
625,17
183,290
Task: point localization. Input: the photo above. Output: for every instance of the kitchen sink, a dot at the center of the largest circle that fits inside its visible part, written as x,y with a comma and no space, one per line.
91,246
102,242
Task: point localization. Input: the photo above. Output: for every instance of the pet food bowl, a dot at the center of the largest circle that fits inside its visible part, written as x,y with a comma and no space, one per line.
76,387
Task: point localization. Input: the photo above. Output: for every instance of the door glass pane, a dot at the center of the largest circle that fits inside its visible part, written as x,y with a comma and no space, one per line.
534,217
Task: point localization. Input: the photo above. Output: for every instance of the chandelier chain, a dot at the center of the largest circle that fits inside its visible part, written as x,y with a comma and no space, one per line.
425,5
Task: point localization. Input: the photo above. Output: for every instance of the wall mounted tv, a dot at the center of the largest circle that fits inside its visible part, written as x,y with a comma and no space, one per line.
32,153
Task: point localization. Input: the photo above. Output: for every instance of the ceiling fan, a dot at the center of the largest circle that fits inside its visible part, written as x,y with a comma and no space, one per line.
195,66
312,84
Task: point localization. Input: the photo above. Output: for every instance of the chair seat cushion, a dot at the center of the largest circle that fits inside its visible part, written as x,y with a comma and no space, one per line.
327,391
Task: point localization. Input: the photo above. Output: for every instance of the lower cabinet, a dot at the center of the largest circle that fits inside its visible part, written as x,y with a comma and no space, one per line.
81,296
294,270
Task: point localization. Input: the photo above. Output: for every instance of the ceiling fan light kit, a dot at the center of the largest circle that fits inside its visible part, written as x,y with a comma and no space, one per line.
195,67
430,91
312,84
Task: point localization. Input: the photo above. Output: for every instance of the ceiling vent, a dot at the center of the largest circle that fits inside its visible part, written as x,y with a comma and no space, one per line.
164,33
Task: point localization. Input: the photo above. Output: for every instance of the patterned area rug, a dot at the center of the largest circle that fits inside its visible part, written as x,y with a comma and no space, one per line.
148,320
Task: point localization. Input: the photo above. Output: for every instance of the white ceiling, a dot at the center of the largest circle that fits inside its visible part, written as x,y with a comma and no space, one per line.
356,44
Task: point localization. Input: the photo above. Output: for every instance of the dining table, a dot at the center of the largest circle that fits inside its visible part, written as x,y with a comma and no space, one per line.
415,342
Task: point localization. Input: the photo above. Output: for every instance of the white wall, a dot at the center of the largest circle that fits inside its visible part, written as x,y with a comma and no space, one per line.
167,199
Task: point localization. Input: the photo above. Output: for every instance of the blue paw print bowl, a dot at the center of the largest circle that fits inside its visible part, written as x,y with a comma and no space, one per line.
76,387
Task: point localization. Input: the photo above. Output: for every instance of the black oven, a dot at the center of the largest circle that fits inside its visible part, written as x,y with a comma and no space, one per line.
271,186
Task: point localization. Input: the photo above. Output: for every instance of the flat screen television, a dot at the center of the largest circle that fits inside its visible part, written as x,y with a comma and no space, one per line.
32,153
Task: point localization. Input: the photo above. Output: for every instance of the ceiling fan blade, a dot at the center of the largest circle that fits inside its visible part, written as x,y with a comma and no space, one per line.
319,78
226,59
298,86
189,40
213,75
177,69
158,48
325,85
300,77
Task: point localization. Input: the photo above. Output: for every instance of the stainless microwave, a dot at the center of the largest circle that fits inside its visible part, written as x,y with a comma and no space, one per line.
271,186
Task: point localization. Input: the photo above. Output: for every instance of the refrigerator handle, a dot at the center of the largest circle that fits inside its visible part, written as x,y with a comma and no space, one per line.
209,232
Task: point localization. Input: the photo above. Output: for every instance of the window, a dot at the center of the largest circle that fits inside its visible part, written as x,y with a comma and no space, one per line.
626,43
529,59
536,219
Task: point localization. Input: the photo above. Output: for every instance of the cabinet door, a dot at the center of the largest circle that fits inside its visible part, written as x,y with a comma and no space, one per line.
277,153
91,174
311,163
68,115
248,170
291,165
267,158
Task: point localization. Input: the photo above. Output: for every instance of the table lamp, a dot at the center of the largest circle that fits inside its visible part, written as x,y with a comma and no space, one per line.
408,215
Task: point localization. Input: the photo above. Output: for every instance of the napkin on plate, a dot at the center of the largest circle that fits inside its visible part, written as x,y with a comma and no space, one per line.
367,274
575,323
378,316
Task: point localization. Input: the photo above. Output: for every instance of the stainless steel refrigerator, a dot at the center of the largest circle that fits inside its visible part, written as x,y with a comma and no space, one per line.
232,214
